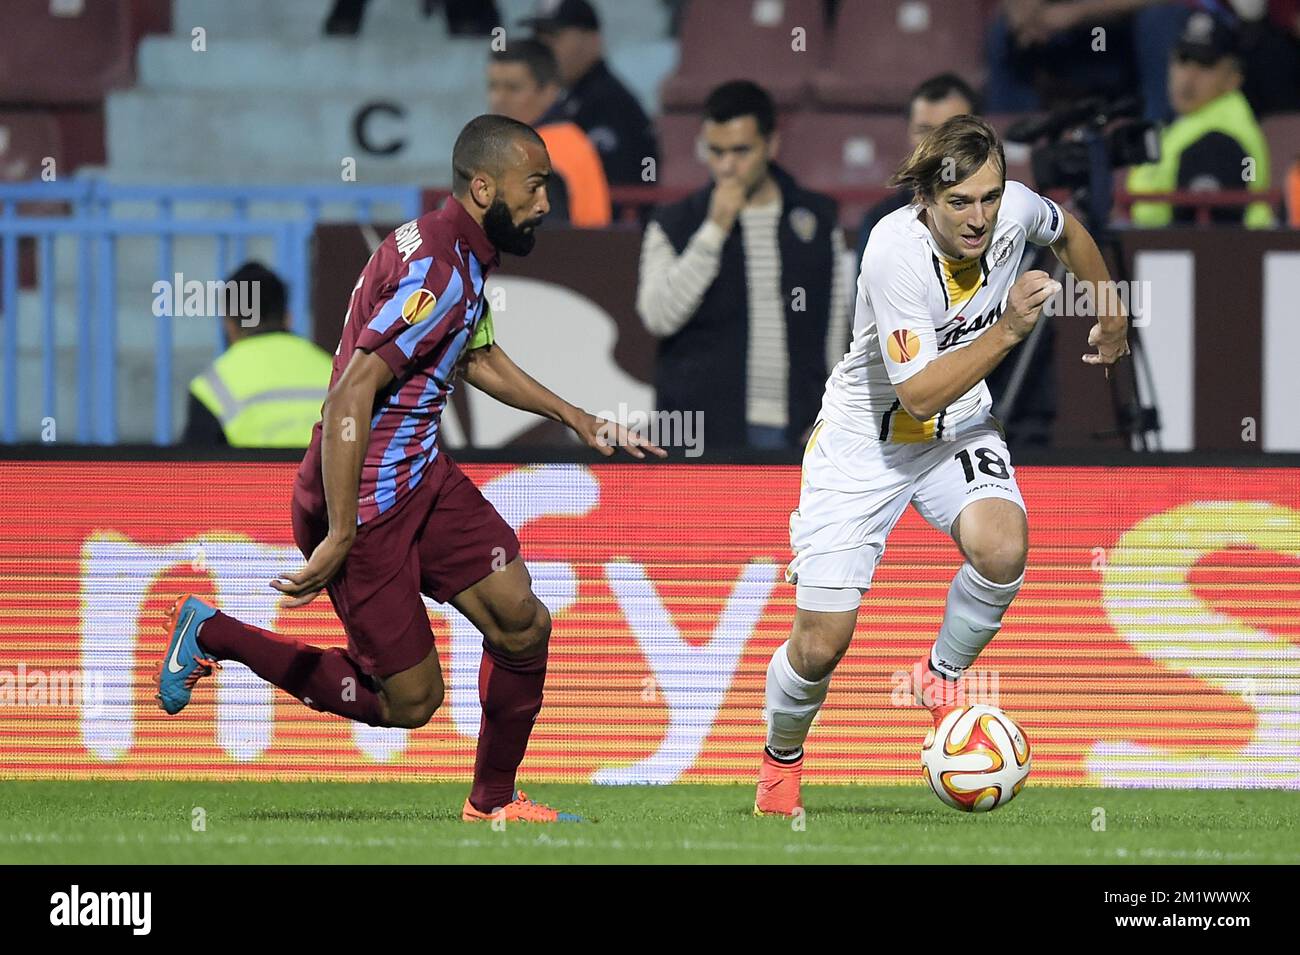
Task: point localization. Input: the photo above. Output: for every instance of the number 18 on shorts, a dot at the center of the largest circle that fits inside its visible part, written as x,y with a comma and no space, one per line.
856,487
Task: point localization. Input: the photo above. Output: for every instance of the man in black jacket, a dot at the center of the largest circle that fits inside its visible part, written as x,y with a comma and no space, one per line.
594,98
745,284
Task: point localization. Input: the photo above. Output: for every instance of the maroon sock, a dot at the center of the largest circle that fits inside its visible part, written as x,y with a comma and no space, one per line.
510,689
328,680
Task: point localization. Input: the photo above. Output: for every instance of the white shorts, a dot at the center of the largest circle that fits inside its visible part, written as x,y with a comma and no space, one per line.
855,488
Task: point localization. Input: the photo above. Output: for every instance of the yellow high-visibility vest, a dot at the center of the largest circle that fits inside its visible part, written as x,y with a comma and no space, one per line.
1229,114
267,390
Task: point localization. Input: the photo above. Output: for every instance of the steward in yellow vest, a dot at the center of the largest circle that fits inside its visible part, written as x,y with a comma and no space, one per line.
1215,143
267,389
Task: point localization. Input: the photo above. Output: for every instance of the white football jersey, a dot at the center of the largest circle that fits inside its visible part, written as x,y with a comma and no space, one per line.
914,304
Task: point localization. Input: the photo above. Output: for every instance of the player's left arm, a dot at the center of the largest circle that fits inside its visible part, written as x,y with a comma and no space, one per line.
1079,253
490,370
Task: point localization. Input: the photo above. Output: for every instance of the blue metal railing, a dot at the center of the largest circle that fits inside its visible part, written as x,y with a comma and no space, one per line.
97,220
97,311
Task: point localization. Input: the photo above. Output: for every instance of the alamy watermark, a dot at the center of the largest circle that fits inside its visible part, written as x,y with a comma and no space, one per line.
212,299
1082,299
128,909
666,429
38,687
975,686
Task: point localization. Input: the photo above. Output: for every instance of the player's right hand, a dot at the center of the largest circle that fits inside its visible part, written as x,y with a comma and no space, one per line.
726,201
1025,302
305,586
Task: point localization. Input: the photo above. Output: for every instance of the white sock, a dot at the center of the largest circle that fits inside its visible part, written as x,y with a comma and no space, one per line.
792,702
971,617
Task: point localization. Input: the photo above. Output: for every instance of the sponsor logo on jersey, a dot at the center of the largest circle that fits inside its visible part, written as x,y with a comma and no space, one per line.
903,345
964,327
418,306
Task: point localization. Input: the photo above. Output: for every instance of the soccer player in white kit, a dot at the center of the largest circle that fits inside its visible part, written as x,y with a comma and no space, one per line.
906,419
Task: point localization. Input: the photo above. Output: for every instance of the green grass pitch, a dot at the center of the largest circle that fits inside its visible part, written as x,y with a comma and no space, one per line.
151,822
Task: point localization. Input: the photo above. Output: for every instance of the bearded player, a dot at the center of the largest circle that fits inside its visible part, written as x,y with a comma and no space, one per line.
906,419
382,514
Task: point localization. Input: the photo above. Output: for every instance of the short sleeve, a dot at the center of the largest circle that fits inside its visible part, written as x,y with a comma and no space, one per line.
410,320
898,300
1042,218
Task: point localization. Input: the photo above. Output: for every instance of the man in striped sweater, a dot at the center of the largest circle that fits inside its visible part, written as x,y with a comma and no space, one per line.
744,282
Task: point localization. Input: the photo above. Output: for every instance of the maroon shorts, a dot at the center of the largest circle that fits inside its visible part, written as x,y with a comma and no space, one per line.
442,539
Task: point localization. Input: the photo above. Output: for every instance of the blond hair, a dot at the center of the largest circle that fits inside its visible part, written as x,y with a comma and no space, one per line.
949,155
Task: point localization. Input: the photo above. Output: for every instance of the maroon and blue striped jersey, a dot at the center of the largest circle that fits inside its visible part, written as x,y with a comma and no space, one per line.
419,306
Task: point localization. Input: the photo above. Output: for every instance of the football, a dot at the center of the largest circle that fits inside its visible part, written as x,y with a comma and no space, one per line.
976,759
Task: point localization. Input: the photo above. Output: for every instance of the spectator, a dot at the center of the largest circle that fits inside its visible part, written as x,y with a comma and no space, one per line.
267,388
1043,53
1270,57
933,102
464,17
1215,142
594,98
523,84
750,319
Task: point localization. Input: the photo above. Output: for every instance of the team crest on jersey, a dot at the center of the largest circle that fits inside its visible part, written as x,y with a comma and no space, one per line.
803,223
903,345
418,306
1001,251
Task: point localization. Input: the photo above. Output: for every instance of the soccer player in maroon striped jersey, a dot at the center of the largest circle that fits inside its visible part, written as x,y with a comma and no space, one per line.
382,514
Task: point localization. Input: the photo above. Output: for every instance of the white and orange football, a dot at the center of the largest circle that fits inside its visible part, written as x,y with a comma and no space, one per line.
976,759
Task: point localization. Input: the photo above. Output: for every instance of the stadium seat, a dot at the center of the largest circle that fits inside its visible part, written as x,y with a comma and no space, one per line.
57,58
150,16
843,150
746,39
1283,134
680,165
26,139
881,49
81,129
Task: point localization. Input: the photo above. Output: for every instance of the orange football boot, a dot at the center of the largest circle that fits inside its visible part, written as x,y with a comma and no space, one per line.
522,809
778,787
936,693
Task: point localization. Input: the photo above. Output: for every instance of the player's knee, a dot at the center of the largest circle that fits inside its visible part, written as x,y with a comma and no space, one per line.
815,651
815,660
1000,560
541,630
415,712
412,716
525,631
534,638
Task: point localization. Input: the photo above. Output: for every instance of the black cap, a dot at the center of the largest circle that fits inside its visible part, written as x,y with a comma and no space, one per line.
1206,39
554,16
